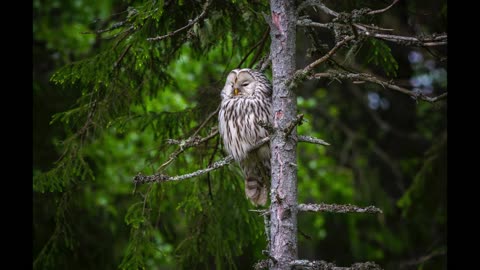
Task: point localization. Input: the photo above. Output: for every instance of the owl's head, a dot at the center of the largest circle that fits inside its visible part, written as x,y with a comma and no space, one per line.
246,83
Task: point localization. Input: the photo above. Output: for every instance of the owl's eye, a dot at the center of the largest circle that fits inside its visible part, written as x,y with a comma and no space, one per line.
245,83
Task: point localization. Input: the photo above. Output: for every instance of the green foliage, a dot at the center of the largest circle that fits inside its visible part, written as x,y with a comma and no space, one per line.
214,239
65,174
380,54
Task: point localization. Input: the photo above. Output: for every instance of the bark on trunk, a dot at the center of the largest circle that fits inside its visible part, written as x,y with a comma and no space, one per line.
283,209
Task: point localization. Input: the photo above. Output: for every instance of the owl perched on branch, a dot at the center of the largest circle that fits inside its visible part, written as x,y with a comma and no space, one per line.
247,100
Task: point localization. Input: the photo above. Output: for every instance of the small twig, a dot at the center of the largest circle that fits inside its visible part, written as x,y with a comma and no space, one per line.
373,27
262,40
291,126
113,27
184,145
384,9
437,98
265,63
210,116
122,55
190,24
260,49
338,208
307,22
261,212
373,79
210,161
323,265
423,259
191,141
309,139
306,236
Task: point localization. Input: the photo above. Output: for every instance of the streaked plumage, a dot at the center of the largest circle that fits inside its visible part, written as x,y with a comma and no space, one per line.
247,99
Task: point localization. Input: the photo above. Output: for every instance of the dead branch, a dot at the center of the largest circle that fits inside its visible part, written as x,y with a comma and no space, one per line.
159,177
338,208
309,139
384,84
322,265
296,122
324,58
384,9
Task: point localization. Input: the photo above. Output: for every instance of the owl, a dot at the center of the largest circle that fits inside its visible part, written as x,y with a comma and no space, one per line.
246,100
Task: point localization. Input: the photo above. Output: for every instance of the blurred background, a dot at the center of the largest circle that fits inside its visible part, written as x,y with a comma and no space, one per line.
106,101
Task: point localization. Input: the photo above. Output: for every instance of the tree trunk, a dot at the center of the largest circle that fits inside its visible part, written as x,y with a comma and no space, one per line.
283,216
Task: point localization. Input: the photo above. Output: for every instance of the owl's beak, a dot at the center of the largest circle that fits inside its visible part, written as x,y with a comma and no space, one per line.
236,91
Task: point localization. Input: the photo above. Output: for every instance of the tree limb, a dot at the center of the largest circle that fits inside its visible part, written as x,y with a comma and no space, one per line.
410,41
322,265
190,24
308,22
309,139
373,79
384,9
338,208
296,122
159,177
264,63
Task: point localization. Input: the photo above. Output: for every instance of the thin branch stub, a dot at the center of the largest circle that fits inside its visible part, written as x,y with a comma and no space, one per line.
338,208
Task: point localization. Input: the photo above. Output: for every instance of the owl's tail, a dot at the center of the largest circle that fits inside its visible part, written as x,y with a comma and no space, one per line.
257,178
256,190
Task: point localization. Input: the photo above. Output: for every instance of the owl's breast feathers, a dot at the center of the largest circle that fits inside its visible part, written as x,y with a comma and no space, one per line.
239,126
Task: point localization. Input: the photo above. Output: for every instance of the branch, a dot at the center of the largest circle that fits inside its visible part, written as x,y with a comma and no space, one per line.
313,140
190,24
100,31
384,9
373,79
373,27
423,259
338,208
264,63
409,41
295,122
159,177
122,55
324,58
308,22
262,41
322,265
